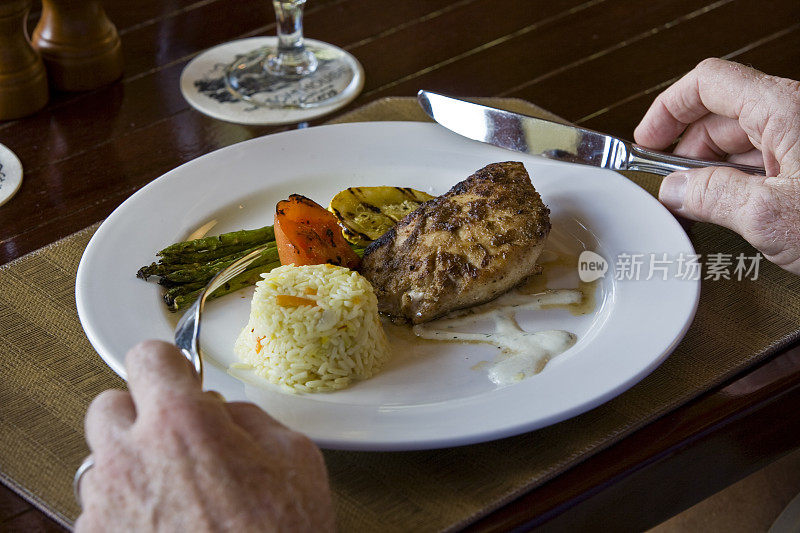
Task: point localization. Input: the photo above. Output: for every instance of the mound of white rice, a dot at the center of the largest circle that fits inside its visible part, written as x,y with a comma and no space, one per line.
313,328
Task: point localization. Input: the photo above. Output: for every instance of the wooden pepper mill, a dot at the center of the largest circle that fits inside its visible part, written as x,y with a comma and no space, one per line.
23,81
79,45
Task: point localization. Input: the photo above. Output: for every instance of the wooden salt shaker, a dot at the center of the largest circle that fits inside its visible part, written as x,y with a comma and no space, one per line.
79,45
23,81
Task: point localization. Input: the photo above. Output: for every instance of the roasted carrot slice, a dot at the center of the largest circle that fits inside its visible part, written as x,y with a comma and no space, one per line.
308,234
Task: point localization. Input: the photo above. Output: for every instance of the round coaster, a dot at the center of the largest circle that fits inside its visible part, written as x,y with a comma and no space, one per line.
204,87
10,174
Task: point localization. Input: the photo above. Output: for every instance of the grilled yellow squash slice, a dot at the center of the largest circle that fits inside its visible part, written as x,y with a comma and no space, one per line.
366,213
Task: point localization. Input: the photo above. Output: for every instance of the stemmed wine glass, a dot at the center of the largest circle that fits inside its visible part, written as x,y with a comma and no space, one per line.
296,74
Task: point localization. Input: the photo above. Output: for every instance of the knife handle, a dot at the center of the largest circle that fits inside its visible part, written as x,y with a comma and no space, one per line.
646,160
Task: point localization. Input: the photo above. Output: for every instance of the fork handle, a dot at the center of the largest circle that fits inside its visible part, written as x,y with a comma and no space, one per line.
647,160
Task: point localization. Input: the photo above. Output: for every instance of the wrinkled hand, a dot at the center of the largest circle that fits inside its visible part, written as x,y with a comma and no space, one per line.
727,111
169,457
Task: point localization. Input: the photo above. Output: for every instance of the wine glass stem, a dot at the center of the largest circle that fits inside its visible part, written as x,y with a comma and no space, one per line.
292,59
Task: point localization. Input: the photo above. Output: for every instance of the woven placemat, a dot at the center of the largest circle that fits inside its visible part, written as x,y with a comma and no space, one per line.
49,373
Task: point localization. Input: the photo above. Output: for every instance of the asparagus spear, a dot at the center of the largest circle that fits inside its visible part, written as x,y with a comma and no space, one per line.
162,269
192,254
184,288
202,257
245,279
205,272
246,238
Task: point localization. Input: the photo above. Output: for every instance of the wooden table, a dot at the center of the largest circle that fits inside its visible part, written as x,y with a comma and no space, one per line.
598,63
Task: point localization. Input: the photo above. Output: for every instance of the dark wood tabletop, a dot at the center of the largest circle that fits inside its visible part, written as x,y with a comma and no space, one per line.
598,63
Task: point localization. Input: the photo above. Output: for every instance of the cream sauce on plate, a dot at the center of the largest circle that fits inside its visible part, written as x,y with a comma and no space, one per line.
522,353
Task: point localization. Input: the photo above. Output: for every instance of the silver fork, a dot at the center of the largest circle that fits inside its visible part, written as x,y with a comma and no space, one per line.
187,332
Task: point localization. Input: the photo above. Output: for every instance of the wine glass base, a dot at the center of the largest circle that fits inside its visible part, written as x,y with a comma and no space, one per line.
208,85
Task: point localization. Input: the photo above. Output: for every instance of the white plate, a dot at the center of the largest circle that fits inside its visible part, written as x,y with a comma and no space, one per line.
431,394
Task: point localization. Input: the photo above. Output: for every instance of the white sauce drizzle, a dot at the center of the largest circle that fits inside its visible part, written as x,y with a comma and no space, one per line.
523,354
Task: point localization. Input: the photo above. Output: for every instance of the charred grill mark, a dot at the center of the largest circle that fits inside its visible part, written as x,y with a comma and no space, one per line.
329,235
358,234
372,207
302,199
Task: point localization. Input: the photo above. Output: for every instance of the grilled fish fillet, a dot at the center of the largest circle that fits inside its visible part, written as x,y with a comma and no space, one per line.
460,249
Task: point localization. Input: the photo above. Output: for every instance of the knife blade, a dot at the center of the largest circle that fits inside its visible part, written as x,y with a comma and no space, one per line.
553,140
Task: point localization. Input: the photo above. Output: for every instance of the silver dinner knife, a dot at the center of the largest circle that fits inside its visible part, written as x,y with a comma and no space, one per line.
549,139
